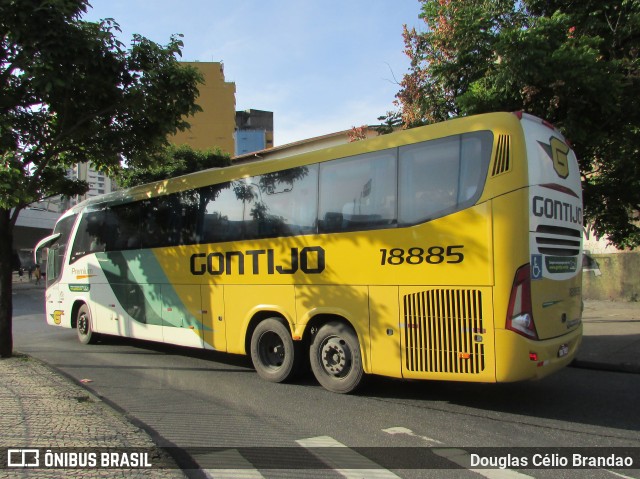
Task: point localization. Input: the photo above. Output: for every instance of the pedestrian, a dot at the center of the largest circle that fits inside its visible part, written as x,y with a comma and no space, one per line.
30,271
38,275
20,273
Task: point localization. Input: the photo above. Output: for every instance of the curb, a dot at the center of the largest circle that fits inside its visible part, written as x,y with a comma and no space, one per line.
627,368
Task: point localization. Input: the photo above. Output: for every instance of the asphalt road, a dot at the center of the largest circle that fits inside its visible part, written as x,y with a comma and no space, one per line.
196,399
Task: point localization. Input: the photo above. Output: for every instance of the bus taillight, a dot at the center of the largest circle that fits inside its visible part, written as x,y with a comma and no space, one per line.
520,313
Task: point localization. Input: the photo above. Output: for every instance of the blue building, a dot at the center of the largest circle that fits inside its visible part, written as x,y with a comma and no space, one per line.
254,131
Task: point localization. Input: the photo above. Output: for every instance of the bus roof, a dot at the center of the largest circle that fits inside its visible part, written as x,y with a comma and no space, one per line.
234,172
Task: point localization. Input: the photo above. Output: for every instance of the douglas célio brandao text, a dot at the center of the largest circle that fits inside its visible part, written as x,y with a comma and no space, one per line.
552,460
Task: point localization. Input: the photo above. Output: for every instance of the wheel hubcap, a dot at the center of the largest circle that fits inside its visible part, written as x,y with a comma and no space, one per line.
272,350
336,357
82,324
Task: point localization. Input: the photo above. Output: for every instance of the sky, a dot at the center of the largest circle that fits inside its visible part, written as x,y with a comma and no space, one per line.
320,66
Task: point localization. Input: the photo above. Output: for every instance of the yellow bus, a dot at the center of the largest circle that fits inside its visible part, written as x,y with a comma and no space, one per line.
448,252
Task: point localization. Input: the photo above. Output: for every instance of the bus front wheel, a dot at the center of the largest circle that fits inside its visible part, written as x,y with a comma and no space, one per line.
273,351
335,358
86,335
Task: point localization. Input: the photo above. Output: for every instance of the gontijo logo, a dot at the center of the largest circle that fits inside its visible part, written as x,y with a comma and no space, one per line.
57,316
308,260
558,151
553,209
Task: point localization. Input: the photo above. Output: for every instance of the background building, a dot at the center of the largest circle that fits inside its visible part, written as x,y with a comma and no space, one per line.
304,146
254,131
99,184
215,125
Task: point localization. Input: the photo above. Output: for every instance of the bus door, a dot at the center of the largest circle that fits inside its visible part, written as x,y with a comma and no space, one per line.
386,356
52,272
213,323
54,295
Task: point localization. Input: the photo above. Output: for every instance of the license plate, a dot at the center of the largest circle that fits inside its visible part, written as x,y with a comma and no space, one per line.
563,350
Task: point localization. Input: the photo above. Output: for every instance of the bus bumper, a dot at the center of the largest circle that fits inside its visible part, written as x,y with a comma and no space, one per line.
519,358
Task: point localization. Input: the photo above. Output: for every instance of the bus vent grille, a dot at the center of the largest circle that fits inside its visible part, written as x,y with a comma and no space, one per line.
502,161
444,331
558,241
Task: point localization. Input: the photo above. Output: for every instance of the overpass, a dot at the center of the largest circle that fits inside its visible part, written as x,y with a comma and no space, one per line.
34,223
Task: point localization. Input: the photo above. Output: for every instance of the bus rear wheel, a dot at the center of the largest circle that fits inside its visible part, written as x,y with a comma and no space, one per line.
335,358
272,351
86,335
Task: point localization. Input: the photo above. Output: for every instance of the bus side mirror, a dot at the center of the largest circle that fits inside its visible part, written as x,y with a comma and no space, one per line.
590,264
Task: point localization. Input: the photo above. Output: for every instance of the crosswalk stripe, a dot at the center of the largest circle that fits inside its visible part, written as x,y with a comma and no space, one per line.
343,460
243,469
233,474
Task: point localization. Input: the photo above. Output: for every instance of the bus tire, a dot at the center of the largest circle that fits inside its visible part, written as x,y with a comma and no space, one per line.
335,358
272,351
84,327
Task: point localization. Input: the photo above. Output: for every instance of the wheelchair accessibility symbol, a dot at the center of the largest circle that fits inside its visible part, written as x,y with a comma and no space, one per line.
536,266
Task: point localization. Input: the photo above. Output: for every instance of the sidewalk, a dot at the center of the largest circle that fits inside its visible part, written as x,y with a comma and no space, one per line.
41,408
611,340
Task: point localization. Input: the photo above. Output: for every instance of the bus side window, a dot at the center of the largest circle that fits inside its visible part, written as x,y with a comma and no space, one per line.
54,264
283,204
355,192
428,179
221,219
126,220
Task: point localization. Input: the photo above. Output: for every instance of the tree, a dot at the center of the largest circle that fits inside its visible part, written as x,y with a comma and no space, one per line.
174,161
391,121
574,64
71,92
357,133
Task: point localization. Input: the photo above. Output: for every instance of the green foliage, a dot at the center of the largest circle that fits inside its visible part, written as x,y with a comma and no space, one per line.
391,121
174,161
71,92
574,64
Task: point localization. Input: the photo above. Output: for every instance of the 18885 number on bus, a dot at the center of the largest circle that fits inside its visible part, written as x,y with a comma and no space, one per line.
417,255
